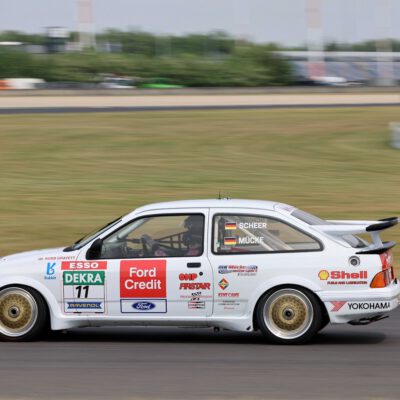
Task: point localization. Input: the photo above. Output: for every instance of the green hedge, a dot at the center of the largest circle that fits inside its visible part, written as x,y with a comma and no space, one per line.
246,66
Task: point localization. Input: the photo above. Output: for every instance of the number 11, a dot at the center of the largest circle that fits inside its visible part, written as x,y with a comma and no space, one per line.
85,288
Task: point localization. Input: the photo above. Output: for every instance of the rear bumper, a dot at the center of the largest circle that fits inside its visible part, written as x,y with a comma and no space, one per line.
346,306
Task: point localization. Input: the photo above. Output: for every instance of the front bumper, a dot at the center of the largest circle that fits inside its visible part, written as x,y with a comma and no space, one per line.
346,306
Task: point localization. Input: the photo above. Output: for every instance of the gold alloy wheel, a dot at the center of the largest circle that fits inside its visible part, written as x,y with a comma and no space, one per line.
288,313
18,312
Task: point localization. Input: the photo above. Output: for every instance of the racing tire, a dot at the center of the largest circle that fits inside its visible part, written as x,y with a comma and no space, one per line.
289,315
324,322
23,314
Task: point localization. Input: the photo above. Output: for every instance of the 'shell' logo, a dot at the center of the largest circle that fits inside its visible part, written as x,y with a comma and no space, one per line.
324,275
143,279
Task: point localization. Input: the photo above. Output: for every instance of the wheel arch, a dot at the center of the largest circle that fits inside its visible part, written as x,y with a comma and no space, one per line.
49,299
286,286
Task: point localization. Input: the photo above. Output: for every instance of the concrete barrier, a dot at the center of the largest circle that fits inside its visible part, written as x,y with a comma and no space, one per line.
395,140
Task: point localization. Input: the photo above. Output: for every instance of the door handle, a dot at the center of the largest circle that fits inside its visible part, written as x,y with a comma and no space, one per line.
194,265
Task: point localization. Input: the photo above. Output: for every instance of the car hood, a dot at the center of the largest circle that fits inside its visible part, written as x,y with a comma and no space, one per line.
35,254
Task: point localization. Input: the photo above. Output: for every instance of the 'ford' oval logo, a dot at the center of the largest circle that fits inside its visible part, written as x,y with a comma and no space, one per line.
143,305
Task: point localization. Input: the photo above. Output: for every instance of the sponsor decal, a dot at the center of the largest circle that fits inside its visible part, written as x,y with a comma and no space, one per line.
143,279
230,241
195,286
343,277
196,305
50,271
373,305
230,226
337,305
57,258
85,305
84,278
323,275
85,265
223,284
187,277
383,305
196,296
143,306
84,291
229,304
240,270
228,294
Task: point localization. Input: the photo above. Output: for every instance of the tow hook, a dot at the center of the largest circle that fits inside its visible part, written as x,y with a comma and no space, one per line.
367,321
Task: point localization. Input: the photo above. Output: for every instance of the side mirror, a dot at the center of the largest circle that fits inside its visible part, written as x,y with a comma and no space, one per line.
94,252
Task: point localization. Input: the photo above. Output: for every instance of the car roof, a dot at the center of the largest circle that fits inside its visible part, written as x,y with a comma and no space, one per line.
209,203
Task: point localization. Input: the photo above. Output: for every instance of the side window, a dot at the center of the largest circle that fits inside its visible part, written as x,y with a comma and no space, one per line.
158,236
257,234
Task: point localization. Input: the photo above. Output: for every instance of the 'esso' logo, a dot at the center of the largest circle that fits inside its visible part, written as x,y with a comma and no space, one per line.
84,265
187,277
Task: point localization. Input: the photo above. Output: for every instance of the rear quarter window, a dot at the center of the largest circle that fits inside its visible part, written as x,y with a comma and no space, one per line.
243,234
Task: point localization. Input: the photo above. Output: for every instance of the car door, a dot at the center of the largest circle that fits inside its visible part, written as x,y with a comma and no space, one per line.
250,247
157,266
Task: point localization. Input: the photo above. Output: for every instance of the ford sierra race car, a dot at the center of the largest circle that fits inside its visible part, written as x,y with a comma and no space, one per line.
229,264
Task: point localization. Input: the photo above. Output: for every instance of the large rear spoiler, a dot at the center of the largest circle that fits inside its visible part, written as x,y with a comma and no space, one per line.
341,228
383,224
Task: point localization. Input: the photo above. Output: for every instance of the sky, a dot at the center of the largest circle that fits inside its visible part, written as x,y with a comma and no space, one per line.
281,21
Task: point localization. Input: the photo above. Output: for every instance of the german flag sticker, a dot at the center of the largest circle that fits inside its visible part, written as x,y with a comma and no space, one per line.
230,226
229,241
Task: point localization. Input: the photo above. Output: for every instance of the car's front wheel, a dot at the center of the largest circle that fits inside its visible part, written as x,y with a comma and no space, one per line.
23,314
289,315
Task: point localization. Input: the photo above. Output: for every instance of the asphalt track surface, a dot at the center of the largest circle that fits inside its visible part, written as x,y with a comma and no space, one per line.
68,110
358,362
72,104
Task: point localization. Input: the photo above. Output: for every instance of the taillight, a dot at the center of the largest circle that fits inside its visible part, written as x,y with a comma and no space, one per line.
385,277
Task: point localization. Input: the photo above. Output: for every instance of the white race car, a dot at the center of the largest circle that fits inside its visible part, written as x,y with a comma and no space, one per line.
230,264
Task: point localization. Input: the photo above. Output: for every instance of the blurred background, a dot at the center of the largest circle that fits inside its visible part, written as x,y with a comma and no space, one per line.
169,44
64,173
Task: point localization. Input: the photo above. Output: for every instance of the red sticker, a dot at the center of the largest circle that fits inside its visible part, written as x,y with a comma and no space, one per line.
143,279
84,265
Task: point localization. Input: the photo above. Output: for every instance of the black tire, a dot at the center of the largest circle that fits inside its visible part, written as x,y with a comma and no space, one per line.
23,314
325,321
289,315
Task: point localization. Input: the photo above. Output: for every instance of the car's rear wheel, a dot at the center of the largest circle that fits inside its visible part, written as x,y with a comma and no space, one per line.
289,315
23,314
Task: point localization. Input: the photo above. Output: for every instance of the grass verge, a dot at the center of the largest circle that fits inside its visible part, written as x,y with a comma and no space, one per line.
63,174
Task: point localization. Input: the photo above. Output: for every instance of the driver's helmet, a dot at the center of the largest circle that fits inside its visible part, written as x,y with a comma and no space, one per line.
194,224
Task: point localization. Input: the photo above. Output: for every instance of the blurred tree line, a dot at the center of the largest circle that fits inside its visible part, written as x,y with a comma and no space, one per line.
368,45
209,60
195,60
